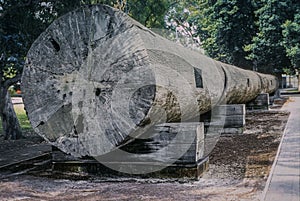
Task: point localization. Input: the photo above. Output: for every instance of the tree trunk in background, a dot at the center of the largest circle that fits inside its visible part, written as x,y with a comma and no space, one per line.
10,123
299,81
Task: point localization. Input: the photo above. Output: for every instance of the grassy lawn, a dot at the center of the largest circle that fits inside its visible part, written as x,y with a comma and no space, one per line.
21,114
293,90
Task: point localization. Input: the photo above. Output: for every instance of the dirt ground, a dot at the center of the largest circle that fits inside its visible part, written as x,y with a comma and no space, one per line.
239,167
249,155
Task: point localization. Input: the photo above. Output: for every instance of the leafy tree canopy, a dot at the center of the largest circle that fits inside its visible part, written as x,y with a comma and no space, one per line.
266,49
21,22
222,28
230,28
260,35
291,37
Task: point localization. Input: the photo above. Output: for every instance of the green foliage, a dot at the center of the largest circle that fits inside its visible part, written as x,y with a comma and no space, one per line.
291,39
21,22
184,19
288,71
150,13
223,27
266,49
120,4
10,71
263,35
11,91
22,117
230,26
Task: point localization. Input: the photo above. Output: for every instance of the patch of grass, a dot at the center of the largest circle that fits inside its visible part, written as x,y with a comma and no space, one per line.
293,91
23,119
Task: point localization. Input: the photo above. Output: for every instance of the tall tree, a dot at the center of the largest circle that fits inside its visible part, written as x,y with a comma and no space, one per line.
150,13
291,38
185,18
222,28
230,26
15,18
266,49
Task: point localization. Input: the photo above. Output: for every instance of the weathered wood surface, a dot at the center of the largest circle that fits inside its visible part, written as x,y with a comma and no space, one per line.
95,79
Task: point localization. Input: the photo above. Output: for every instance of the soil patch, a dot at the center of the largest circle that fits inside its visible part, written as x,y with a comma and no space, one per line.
251,154
239,166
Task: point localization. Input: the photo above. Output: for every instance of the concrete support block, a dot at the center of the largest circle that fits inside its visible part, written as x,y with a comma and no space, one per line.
231,131
188,137
230,116
228,110
261,102
227,119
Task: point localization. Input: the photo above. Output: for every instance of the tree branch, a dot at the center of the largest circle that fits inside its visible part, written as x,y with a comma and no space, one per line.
187,30
11,81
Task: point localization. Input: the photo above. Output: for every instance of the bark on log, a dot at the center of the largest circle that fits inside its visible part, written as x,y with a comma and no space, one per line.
298,80
10,124
96,78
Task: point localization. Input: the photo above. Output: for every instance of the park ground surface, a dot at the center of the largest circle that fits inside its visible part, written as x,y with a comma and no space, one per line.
239,168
